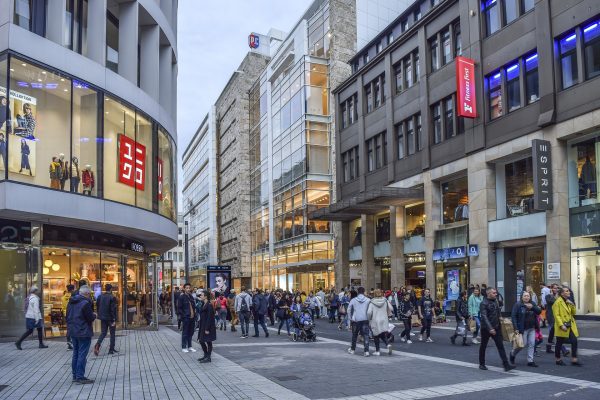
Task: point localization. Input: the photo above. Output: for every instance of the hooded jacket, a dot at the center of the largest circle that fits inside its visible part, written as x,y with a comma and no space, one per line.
80,317
357,309
378,312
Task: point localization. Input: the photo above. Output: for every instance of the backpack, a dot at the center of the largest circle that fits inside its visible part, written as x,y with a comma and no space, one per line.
244,305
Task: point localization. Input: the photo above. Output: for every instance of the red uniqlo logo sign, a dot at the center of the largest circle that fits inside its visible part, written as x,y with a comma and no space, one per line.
465,87
159,163
132,163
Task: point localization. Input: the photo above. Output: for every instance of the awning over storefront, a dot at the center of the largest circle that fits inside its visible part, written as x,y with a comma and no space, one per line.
369,202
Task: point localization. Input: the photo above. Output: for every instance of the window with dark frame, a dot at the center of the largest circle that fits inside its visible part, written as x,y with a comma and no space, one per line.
437,123
457,40
511,11
400,140
408,72
499,13
369,97
449,118
399,77
434,48
490,10
377,92
568,60
390,38
419,128
532,88
344,114
495,95
513,87
446,47
591,50
370,155
410,136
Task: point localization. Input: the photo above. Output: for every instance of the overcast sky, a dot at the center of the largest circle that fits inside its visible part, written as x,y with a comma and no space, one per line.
212,41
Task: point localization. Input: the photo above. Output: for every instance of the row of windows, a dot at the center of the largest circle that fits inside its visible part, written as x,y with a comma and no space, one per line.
375,93
376,151
409,136
445,46
407,76
581,43
513,86
446,124
499,13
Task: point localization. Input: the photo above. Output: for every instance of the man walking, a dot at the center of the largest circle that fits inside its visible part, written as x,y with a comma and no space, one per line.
186,309
176,296
490,328
107,314
243,303
357,310
79,326
260,306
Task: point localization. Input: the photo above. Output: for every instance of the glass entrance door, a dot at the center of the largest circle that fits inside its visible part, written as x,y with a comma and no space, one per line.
111,272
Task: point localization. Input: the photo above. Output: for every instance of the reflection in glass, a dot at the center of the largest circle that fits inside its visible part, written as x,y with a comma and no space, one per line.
4,117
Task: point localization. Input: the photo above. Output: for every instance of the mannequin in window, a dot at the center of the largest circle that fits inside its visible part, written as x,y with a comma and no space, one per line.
87,179
55,173
588,176
75,177
64,170
25,157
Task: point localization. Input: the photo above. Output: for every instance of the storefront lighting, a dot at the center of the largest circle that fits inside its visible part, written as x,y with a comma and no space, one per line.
39,80
23,84
531,58
572,37
55,267
46,271
12,70
591,27
65,90
37,85
23,64
48,263
44,72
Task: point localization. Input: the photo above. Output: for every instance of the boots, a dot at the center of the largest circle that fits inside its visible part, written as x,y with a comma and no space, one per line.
508,367
548,348
205,359
97,349
464,343
453,339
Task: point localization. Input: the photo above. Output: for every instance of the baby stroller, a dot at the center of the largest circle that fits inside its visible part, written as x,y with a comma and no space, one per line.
304,327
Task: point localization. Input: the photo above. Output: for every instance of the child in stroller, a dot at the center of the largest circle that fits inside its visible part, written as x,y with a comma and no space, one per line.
304,326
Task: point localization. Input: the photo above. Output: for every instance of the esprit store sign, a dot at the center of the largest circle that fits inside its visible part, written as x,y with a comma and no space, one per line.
253,41
465,87
542,175
132,163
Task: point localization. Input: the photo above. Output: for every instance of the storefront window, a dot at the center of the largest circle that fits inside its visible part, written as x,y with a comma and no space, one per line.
85,164
39,144
585,273
121,170
382,228
143,169
4,117
355,232
414,220
519,187
56,276
14,284
317,92
583,172
523,267
455,200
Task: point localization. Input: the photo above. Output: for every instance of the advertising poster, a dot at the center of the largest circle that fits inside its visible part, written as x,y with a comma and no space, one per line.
453,284
219,279
21,129
598,279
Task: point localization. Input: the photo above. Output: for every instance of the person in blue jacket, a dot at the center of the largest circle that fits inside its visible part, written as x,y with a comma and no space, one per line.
79,327
525,321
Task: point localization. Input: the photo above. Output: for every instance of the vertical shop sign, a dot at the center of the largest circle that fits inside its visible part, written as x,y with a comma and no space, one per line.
132,163
253,41
159,163
542,175
465,87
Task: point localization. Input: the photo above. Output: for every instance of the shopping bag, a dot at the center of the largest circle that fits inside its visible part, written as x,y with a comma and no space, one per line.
517,341
461,328
415,320
507,329
472,324
391,328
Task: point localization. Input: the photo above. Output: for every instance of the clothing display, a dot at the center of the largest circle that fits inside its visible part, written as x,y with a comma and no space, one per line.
25,157
55,171
461,212
588,178
64,171
74,174
5,114
87,179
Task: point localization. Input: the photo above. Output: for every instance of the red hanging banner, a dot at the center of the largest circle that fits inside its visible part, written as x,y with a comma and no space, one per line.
465,87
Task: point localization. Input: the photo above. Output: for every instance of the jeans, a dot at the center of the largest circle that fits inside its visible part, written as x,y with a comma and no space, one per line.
529,342
106,326
477,326
81,346
407,327
426,328
384,338
260,319
561,340
361,327
74,184
223,317
245,322
332,312
497,338
460,323
271,314
395,307
187,332
287,324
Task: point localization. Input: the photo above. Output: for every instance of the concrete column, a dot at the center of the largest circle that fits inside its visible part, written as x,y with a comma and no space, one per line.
173,108
432,199
149,60
558,240
165,70
368,254
342,262
397,233
56,21
6,11
482,208
128,40
96,41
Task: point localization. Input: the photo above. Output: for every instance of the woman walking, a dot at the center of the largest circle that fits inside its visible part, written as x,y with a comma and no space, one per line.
462,319
379,311
222,307
475,300
525,321
207,330
565,327
33,319
283,313
405,312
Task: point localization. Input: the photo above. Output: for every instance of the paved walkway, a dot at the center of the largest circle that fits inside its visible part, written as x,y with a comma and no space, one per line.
150,365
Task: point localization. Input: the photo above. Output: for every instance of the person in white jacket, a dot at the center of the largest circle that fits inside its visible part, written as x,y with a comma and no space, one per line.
378,313
33,319
357,310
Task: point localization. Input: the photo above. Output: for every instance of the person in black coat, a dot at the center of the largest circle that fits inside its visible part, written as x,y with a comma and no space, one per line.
186,310
462,316
207,330
107,314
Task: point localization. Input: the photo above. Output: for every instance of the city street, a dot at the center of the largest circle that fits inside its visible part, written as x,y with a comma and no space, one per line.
150,365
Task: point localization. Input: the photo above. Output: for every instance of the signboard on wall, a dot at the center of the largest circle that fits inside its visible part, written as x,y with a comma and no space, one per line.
253,41
15,231
553,271
542,175
218,278
449,253
453,284
465,87
132,162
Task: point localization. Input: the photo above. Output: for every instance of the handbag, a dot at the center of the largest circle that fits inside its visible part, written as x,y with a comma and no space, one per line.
517,341
342,310
472,324
507,329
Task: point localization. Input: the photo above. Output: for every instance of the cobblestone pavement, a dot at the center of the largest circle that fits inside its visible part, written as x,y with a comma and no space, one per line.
150,365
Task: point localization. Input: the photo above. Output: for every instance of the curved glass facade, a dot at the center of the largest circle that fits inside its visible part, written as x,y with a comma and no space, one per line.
61,133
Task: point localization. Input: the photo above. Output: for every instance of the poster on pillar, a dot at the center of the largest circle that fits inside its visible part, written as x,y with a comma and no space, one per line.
453,284
542,175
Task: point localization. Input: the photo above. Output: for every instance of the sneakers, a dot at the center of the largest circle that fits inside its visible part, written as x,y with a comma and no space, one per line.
429,340
193,350
532,364
509,367
420,338
375,353
350,351
244,337
84,381
367,354
512,358
185,351
453,339
475,341
389,347
483,367
409,341
403,340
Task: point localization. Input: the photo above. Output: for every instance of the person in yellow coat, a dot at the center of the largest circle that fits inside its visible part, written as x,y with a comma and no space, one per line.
565,327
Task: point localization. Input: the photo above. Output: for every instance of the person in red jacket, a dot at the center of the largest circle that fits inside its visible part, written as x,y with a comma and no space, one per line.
222,310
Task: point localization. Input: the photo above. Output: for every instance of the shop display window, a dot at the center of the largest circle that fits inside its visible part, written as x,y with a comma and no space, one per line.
84,169
414,220
524,266
382,228
5,124
455,200
143,170
585,271
40,123
14,284
355,232
519,187
56,276
583,172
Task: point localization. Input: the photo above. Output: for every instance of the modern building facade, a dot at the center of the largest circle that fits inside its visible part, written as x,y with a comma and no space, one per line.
172,264
200,200
433,199
88,178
